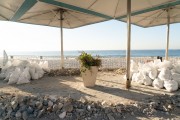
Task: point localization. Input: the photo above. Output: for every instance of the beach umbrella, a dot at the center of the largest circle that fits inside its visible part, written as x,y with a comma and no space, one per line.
43,13
162,15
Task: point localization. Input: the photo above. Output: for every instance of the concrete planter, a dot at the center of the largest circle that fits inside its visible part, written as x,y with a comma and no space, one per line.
89,76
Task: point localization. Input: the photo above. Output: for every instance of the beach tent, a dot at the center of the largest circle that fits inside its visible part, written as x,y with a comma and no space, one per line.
41,12
161,15
99,10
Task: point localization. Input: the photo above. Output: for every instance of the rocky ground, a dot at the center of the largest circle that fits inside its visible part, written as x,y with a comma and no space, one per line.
66,108
57,97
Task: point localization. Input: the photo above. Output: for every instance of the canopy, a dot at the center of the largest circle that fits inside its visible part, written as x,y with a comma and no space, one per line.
37,12
157,16
110,8
8,8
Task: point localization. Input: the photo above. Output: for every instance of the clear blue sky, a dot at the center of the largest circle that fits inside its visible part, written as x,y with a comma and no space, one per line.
110,35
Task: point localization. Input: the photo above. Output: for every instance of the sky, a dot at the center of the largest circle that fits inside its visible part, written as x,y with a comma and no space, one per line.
110,35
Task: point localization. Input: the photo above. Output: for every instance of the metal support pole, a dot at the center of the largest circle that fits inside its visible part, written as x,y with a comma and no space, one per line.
62,52
167,39
128,52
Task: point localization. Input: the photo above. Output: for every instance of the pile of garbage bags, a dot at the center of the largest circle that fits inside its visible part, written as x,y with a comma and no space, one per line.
22,71
157,74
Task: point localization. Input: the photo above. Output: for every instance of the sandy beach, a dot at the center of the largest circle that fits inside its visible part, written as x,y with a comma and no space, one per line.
110,87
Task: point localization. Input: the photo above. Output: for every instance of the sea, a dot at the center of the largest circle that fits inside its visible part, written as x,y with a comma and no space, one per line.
101,53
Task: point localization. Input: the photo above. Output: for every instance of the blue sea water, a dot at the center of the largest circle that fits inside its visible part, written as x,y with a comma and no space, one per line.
102,53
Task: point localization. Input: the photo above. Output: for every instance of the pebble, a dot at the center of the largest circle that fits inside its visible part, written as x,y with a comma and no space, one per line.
53,98
40,113
30,110
110,117
178,104
62,115
68,107
14,104
50,104
24,115
60,105
18,115
55,107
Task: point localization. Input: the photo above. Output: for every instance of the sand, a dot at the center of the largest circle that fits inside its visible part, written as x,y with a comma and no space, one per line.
110,87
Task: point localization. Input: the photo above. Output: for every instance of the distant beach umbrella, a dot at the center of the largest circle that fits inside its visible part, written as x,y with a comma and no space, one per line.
161,15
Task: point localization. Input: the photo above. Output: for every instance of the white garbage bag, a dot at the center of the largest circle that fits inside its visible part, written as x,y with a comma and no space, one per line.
147,67
165,74
45,66
147,81
166,64
36,71
177,68
134,67
32,70
173,71
8,64
178,81
153,73
134,76
176,77
7,77
39,71
24,77
140,78
157,63
14,76
158,84
35,76
2,76
170,85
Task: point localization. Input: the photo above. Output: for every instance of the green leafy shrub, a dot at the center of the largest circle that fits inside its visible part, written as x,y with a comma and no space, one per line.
87,60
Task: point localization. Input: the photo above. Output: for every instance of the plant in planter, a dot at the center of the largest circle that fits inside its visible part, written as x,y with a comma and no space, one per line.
89,68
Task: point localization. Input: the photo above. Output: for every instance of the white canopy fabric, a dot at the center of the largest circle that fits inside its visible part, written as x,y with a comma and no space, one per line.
49,15
112,8
8,8
157,17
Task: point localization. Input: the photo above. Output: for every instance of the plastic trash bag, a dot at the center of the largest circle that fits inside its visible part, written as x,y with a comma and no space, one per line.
14,76
177,68
134,67
170,85
165,74
24,77
153,73
147,81
158,84
166,64
2,76
140,78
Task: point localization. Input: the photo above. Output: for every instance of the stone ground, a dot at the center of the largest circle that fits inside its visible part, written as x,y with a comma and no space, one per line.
109,89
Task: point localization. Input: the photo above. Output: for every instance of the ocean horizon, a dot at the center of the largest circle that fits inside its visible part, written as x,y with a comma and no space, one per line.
101,53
